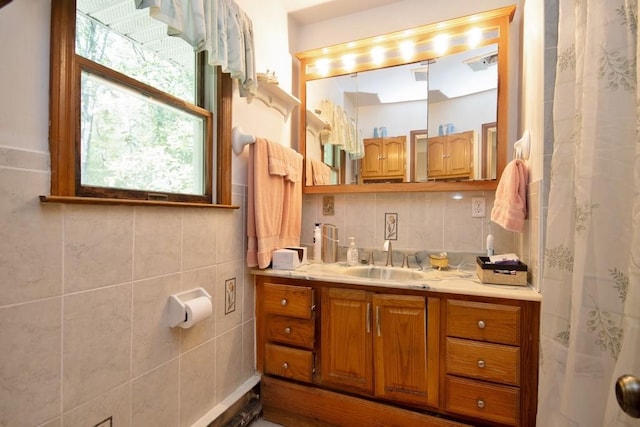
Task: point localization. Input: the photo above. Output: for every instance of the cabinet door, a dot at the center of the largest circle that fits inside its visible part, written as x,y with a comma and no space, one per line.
346,347
400,348
437,157
393,159
373,153
460,154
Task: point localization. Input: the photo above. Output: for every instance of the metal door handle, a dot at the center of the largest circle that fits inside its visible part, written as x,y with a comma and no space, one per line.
628,395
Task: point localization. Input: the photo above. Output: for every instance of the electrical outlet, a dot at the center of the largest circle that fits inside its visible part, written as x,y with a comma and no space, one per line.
478,207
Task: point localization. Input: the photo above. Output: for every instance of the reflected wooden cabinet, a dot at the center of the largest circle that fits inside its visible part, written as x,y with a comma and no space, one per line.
451,156
384,159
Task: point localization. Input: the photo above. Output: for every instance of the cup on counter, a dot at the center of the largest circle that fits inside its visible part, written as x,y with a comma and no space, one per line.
383,131
375,133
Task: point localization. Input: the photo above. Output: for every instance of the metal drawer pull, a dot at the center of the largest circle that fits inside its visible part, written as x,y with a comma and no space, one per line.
368,317
480,403
480,363
481,324
287,330
285,365
284,301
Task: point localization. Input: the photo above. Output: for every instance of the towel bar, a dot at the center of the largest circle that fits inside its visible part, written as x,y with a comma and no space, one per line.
239,140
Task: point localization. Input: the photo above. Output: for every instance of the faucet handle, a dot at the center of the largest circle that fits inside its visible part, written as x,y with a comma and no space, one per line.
405,261
370,257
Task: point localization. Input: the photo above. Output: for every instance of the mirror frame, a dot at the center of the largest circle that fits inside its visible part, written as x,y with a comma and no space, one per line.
493,19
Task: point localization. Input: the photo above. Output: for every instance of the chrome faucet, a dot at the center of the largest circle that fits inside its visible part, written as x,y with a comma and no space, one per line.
389,250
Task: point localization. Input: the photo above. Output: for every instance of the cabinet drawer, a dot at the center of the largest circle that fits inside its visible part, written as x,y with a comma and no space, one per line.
288,362
484,321
289,330
286,300
491,362
490,402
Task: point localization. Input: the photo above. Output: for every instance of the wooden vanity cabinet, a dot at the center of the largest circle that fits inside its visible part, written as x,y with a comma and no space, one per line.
368,335
287,317
384,159
491,356
381,356
450,156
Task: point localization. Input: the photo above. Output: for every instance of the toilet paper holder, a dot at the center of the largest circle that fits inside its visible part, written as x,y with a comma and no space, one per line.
178,305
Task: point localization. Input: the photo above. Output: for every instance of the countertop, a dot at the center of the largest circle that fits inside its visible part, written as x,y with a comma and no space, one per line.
454,281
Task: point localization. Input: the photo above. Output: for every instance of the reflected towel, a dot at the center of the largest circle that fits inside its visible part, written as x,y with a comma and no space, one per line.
320,173
510,206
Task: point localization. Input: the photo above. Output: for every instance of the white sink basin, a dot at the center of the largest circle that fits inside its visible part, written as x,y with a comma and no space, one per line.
383,273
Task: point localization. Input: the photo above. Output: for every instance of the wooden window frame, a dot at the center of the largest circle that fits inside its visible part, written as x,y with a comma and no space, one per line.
64,107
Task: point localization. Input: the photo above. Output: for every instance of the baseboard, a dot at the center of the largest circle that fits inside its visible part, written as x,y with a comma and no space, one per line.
228,403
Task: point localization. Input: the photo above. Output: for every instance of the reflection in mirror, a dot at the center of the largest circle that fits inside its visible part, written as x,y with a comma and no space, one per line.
419,155
373,116
489,150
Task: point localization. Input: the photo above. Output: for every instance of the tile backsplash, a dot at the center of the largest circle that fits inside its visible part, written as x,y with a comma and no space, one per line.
425,221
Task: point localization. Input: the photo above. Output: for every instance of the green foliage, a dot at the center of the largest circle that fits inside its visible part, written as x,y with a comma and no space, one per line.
128,139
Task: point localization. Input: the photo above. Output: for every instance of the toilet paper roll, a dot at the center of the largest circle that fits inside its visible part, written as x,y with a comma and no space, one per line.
196,310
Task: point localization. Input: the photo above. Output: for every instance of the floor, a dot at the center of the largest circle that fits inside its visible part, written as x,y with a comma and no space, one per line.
263,423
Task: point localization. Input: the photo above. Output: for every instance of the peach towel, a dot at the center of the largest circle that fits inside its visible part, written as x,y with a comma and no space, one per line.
274,208
510,207
317,173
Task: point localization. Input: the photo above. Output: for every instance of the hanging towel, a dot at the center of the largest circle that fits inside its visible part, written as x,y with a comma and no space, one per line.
284,161
274,208
510,206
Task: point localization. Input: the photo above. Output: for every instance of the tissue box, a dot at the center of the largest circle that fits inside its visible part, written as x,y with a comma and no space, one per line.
289,258
501,274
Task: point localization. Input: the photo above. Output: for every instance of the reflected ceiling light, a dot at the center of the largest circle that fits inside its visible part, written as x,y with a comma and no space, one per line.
377,55
441,43
457,196
408,49
322,66
349,61
474,35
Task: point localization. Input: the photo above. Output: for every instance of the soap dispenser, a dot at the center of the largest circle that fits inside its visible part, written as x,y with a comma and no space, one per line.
317,243
352,252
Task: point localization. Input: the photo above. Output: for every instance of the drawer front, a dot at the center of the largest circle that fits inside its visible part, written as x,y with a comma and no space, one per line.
484,321
491,362
288,362
286,300
289,330
490,402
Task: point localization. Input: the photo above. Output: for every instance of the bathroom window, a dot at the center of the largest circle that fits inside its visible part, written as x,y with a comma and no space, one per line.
132,109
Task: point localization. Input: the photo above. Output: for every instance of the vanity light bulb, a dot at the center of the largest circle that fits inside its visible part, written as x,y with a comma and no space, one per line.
408,49
441,44
474,36
322,66
377,55
349,62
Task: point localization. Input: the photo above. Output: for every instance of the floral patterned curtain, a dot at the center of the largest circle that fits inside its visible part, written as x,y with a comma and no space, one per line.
590,329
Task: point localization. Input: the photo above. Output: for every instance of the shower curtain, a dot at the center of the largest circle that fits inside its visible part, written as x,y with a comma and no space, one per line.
590,329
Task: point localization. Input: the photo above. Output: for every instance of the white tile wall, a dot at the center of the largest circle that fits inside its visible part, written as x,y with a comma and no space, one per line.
83,301
426,221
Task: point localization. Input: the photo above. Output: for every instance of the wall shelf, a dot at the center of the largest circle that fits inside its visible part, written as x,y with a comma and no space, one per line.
275,97
314,123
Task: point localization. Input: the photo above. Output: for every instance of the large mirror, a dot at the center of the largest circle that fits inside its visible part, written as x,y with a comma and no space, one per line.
378,119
